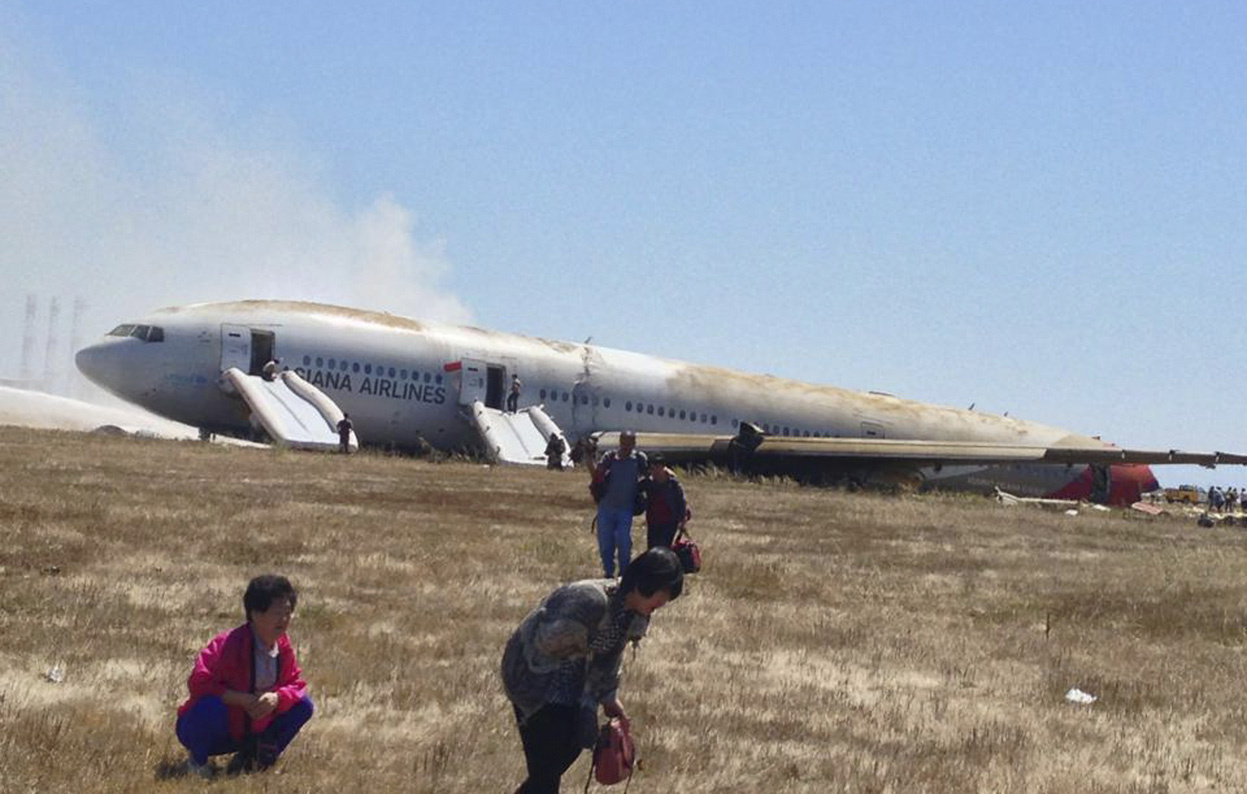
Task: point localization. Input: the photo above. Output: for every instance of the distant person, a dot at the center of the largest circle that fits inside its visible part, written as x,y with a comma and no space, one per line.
555,448
665,506
585,452
247,693
269,372
345,426
1216,499
513,399
563,661
1242,499
619,473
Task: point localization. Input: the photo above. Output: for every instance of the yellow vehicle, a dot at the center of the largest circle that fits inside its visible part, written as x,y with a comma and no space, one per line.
1188,494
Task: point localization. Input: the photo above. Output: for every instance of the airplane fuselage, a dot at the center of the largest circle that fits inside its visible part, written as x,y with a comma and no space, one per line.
405,382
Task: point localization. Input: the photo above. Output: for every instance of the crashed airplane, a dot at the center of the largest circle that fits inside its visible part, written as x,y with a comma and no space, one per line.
406,383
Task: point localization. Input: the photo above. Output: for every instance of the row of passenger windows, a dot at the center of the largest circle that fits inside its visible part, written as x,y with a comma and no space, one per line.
148,333
650,409
380,370
562,396
662,410
554,395
777,430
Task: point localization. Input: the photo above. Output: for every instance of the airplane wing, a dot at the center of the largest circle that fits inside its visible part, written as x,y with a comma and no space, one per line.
750,443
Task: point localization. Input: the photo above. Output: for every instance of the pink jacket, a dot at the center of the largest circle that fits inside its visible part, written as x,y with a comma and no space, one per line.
226,664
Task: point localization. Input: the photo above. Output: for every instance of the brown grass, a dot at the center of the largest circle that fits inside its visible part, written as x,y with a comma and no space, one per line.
834,642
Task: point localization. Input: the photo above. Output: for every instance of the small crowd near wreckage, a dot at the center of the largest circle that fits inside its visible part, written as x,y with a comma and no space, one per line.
1216,506
248,697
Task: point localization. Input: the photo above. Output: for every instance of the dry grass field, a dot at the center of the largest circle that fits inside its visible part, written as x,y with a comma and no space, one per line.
833,642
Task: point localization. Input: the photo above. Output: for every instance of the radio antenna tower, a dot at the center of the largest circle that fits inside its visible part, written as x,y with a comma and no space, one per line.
28,338
49,355
75,342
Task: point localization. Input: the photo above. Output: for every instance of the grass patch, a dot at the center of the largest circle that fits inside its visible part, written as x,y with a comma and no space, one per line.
833,641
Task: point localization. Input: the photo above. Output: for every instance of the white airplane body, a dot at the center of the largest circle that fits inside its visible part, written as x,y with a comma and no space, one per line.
406,382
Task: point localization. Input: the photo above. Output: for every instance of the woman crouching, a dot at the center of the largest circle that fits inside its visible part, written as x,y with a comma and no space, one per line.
564,660
247,693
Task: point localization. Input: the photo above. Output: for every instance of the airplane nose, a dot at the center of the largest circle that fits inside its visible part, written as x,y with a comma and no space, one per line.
101,363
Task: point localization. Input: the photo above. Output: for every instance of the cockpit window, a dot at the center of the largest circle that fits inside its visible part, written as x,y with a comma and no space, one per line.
148,333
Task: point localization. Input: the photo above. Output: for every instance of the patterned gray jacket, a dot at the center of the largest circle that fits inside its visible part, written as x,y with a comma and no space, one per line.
574,631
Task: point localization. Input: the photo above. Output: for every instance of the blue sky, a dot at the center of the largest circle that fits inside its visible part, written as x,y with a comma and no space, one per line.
1035,207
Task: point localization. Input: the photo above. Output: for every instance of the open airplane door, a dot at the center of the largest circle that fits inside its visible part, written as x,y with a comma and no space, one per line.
246,348
481,382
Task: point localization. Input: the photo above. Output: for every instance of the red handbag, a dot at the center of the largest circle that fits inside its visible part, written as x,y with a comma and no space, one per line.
688,551
614,755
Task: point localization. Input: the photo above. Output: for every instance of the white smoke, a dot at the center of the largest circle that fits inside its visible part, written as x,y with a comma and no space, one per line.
159,195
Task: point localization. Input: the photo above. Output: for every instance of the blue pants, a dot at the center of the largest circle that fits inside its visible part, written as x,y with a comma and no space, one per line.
614,534
204,730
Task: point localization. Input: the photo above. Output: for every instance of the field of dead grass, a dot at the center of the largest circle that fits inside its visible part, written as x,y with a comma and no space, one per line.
834,641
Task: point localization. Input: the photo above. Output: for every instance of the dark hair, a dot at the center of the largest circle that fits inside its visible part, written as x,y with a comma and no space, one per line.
654,570
263,590
658,459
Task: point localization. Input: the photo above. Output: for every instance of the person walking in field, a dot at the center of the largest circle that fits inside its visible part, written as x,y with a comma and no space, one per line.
666,508
247,693
1216,499
564,661
345,426
616,480
555,448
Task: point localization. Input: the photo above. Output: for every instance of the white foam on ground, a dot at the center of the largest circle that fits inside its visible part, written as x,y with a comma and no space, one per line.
26,408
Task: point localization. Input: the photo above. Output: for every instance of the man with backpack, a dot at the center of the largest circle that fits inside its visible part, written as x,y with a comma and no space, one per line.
616,487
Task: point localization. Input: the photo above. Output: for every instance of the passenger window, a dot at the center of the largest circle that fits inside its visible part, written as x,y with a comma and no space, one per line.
649,409
606,402
393,372
438,379
367,369
354,366
427,377
333,363
320,362
714,420
660,411
307,361
628,405
703,419
342,365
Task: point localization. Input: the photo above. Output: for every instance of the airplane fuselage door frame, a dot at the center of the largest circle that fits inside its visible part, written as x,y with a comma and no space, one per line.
473,381
483,380
235,347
